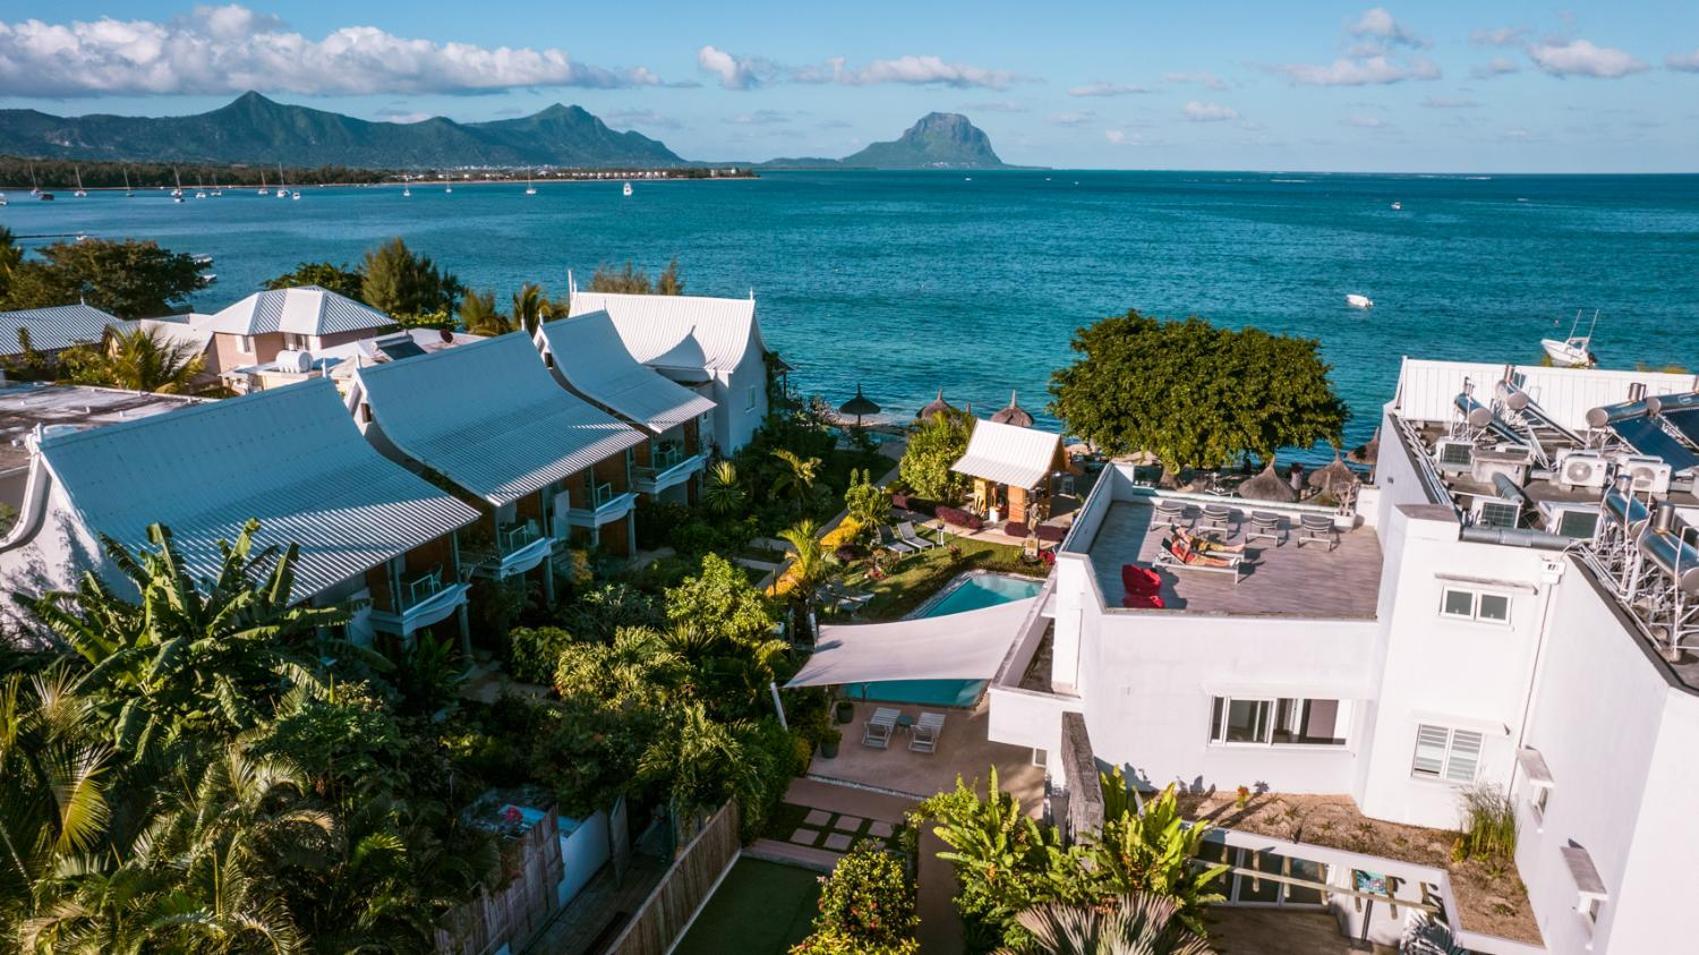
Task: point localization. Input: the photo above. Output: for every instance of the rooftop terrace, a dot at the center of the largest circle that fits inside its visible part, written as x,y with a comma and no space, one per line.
25,405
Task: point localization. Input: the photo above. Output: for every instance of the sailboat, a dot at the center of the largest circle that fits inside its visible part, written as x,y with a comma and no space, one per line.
627,190
1397,206
216,192
128,192
406,190
282,193
1357,300
1576,351
530,189
263,190
448,188
81,193
34,187
177,193
200,189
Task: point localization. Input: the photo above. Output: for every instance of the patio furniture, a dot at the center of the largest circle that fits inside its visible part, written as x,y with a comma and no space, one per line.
889,540
1178,555
1140,580
845,599
1318,528
906,531
1267,527
1216,515
1133,601
876,732
1169,513
924,737
1067,488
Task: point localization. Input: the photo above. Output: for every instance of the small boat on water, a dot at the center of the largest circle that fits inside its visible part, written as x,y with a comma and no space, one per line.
81,193
530,188
263,190
2,198
296,195
45,196
1397,206
1576,351
177,192
201,259
406,192
448,190
627,189
128,192
1359,301
281,192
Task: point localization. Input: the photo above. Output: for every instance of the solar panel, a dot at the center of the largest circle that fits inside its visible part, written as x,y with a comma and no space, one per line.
1644,435
401,349
1687,422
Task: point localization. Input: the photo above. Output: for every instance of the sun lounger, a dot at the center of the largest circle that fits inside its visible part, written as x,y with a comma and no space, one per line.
1177,556
1169,513
923,736
1204,544
906,532
1216,515
1318,528
891,542
876,732
1267,527
844,598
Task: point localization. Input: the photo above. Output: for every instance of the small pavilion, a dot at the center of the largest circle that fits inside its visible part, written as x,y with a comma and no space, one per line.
1012,467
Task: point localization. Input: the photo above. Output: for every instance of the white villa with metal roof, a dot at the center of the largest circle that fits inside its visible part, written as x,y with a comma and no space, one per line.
1512,602
52,330
711,345
587,356
1011,467
307,318
490,419
368,530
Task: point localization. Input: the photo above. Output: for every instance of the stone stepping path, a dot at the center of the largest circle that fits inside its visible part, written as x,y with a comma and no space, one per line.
837,832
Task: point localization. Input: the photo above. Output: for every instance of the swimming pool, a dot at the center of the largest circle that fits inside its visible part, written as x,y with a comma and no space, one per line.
973,592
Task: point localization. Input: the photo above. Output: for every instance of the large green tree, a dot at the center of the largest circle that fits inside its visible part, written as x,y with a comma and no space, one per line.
1195,394
933,445
326,275
408,285
129,278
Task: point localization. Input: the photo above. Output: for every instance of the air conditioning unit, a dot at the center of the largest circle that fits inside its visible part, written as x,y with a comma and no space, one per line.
1574,521
1650,475
1454,457
1510,462
1578,468
1496,511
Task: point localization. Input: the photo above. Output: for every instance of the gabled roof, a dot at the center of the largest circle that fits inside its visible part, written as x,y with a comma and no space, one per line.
303,310
178,333
290,457
677,331
55,328
1007,454
490,417
587,351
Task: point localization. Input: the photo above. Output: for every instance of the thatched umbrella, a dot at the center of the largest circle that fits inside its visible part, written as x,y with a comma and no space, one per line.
859,406
1368,453
935,407
1336,480
1268,486
1014,414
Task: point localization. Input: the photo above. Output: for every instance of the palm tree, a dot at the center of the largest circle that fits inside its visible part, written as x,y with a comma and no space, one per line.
723,494
532,308
478,313
798,476
1152,850
140,359
703,762
808,566
1137,924
189,653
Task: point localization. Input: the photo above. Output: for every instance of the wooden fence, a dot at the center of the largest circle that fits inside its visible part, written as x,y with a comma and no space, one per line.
512,914
661,919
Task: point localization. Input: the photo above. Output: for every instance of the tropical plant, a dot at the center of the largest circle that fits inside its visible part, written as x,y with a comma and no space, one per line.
868,898
1194,394
532,652
797,476
1426,935
634,281
808,570
1489,826
11,256
531,308
407,285
326,275
723,493
136,359
1137,924
129,278
479,316
1153,851
933,446
638,668
700,762
868,503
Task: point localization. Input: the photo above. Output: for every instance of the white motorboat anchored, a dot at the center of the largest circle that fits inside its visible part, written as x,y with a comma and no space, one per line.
627,189
1397,206
1576,351
1359,301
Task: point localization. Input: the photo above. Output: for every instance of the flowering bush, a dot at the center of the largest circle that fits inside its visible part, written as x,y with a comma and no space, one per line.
848,531
866,905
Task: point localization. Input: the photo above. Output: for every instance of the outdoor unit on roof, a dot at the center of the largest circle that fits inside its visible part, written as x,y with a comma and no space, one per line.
1496,511
1583,469
1575,521
1650,475
1512,463
1454,457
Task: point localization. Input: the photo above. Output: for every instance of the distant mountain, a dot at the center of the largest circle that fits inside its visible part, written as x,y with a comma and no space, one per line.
254,129
938,141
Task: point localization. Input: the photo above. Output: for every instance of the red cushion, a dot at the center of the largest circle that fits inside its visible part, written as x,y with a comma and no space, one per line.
1143,601
1140,580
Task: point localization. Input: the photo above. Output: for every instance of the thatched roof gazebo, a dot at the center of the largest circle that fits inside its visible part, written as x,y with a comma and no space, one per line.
860,406
1336,480
1014,414
935,407
1269,487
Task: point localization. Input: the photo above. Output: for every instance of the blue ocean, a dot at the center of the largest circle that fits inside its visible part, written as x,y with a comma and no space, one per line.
905,283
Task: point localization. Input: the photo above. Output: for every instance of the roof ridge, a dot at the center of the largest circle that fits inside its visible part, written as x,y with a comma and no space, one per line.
415,361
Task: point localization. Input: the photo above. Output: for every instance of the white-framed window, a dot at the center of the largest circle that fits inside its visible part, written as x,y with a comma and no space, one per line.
1538,796
245,344
1447,754
1483,606
1277,721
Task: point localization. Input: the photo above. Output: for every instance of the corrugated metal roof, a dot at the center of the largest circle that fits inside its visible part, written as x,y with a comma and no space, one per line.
289,457
304,310
56,328
677,331
178,333
1007,454
491,418
587,350
1426,389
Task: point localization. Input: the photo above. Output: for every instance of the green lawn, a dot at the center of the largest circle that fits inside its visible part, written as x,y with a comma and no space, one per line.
919,576
762,908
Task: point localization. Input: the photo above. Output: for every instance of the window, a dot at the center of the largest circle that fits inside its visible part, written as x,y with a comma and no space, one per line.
1277,722
1537,796
1475,605
245,344
1451,755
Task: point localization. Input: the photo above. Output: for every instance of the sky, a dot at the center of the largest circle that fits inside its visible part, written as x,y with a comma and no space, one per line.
1484,86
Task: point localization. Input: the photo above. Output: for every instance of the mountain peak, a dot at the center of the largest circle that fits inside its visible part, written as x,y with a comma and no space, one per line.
935,141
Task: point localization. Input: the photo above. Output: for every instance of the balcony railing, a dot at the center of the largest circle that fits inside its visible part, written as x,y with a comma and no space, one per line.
516,537
422,588
666,456
601,495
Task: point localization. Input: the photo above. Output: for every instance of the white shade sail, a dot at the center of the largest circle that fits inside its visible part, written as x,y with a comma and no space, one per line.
958,646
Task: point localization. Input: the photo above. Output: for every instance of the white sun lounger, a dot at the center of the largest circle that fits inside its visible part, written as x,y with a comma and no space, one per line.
923,738
889,539
906,532
877,730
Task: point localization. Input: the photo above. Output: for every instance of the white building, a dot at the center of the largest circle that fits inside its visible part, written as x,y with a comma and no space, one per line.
1480,618
711,345
265,325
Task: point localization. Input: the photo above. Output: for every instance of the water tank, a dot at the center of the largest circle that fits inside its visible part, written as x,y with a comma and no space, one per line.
291,360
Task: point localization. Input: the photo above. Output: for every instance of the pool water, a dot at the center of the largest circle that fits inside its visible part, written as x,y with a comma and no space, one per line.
972,593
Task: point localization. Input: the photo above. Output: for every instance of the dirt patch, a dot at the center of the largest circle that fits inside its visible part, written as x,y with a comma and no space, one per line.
1492,900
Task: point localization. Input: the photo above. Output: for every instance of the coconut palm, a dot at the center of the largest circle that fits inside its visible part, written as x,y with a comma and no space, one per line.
478,313
1137,924
808,566
532,308
797,477
703,762
139,359
723,494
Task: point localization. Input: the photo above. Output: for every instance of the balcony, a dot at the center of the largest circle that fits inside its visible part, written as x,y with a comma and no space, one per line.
518,548
668,467
423,601
605,505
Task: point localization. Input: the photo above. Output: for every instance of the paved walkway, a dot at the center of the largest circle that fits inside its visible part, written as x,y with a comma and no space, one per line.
589,921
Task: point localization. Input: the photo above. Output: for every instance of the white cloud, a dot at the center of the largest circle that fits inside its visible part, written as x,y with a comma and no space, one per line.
646,118
908,70
1447,102
1498,36
1364,122
1203,78
997,106
226,49
761,117
1582,58
1497,66
1378,24
735,72
1367,71
1208,112
1108,89
1115,136
1685,62
403,117
1079,118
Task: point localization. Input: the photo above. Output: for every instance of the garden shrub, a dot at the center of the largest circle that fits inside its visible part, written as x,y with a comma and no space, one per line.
867,901
657,520
532,652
